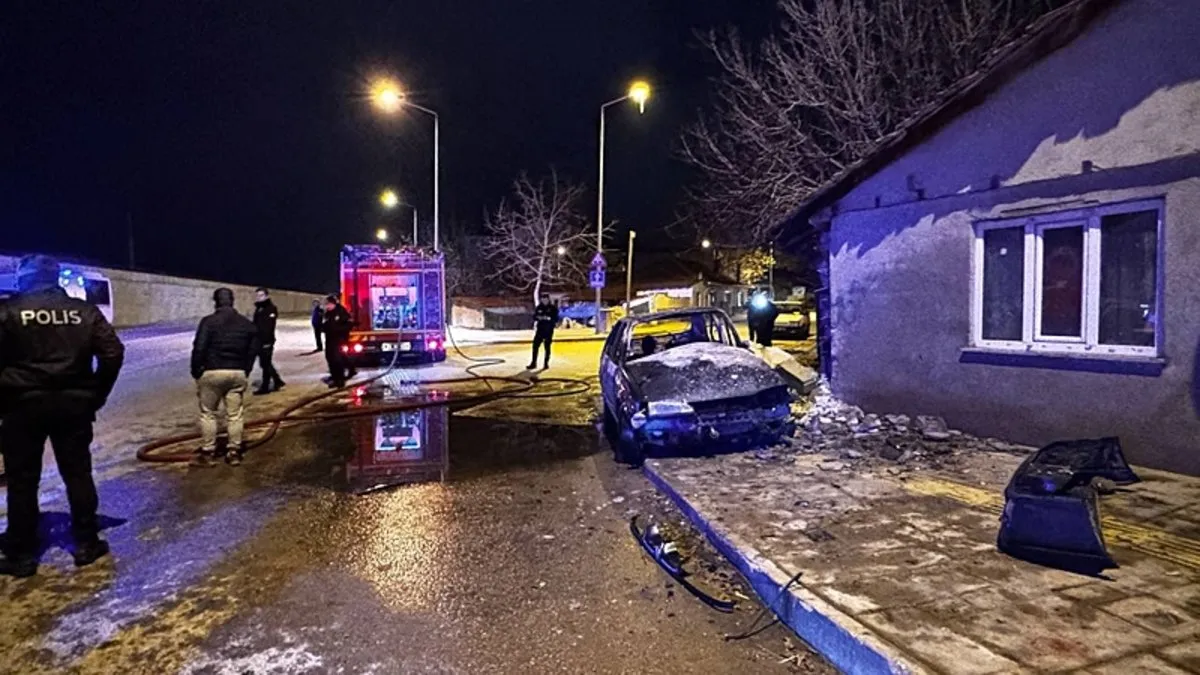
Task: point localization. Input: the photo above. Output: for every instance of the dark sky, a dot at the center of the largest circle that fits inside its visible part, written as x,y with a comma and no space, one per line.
234,135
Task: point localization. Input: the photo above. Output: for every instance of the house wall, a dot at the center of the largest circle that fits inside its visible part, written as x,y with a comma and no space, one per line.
1124,96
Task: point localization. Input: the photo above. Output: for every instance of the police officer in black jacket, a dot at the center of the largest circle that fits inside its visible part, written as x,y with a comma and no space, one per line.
49,389
545,320
265,318
336,323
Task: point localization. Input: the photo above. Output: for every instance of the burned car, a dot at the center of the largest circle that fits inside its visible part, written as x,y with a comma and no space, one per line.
684,380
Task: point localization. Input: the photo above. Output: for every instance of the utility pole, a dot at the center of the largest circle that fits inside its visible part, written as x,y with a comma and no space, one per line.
629,271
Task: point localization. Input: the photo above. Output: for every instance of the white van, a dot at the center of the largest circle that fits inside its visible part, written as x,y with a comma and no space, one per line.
79,281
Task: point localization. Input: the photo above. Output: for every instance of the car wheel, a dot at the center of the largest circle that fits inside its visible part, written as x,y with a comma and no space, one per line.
610,426
627,449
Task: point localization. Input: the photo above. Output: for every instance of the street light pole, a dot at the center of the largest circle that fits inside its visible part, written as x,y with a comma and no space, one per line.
629,271
414,225
389,97
638,93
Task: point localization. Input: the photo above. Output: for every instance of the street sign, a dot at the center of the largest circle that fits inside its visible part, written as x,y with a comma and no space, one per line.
596,277
598,261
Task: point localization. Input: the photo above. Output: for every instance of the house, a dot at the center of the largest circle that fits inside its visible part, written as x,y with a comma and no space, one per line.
1023,259
664,281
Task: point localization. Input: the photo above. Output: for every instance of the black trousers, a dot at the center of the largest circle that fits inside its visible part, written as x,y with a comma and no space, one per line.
336,360
270,376
542,337
317,335
766,334
67,421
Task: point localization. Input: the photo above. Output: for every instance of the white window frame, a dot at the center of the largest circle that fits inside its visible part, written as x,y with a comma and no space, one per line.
1032,339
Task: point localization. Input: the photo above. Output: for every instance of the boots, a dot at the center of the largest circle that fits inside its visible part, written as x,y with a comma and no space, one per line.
89,552
203,458
21,567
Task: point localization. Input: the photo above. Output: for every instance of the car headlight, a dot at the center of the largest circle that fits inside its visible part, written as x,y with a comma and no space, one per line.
667,408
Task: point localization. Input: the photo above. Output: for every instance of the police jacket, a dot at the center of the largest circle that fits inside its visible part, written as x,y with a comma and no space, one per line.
225,340
48,342
545,317
265,316
336,324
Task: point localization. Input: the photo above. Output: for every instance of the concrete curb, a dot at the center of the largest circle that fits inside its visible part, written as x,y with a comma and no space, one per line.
846,643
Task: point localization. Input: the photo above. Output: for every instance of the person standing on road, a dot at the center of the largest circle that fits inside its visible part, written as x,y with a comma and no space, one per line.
48,389
318,315
545,319
265,318
222,358
336,323
766,323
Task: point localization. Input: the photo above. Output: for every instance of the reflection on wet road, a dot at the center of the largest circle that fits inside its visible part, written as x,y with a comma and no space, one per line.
505,550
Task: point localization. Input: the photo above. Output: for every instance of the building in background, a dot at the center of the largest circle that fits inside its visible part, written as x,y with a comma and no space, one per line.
1024,259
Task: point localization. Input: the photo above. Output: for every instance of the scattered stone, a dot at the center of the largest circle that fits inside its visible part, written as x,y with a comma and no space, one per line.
831,466
891,453
934,435
618,500
852,454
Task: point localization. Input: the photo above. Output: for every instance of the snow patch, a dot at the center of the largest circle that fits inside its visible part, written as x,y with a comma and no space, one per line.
713,354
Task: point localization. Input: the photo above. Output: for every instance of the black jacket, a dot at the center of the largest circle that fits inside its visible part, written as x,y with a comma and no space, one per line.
225,340
47,343
265,316
336,324
545,317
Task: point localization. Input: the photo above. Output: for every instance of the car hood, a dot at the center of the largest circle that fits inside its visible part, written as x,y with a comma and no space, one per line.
699,372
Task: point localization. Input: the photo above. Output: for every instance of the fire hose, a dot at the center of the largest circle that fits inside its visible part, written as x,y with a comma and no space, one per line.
517,388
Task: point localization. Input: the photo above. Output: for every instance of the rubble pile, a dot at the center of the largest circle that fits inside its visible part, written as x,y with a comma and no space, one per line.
851,437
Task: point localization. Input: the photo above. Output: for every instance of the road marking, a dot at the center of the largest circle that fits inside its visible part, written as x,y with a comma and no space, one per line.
1152,541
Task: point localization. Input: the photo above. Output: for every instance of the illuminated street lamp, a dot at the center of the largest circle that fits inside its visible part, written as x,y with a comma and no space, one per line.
561,251
388,97
389,199
706,244
639,93
381,234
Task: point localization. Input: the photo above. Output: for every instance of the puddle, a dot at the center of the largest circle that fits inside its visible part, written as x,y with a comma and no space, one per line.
399,448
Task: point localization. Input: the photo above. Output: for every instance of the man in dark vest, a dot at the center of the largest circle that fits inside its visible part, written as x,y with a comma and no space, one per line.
266,315
336,324
49,390
545,320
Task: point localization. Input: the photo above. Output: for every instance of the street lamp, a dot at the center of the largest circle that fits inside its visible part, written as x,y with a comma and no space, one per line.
561,251
390,200
639,93
381,234
389,97
706,244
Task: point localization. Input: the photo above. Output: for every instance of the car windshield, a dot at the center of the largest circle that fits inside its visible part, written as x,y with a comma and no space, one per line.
658,335
790,307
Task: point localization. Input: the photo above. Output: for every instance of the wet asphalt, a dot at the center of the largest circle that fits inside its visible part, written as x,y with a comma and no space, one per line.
520,560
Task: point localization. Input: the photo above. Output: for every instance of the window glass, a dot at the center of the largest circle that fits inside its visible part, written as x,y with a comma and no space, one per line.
1003,283
1062,282
97,291
1128,274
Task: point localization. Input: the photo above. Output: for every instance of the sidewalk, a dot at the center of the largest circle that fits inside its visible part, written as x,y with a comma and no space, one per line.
900,567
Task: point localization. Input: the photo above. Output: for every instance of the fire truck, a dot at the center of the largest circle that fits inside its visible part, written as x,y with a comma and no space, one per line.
397,299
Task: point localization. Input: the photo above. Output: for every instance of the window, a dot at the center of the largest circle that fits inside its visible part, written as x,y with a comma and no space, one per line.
1081,282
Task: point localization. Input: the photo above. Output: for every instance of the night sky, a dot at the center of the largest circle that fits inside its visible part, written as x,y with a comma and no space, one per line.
234,134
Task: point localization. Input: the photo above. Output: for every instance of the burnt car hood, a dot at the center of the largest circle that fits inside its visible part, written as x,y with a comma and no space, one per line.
699,372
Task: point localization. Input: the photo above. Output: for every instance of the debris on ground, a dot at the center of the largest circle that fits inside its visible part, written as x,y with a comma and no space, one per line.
851,438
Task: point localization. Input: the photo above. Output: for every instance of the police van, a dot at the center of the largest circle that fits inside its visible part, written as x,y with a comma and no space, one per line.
84,283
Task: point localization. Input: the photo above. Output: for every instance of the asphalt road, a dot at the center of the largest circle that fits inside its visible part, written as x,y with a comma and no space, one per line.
519,561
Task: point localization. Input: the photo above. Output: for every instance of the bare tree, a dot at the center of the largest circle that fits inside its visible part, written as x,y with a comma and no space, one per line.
539,237
834,79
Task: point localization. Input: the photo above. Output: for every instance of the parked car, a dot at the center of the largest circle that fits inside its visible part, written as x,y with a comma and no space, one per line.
792,322
684,380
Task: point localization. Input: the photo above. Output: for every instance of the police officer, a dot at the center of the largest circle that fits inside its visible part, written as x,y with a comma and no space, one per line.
336,324
545,319
266,315
48,389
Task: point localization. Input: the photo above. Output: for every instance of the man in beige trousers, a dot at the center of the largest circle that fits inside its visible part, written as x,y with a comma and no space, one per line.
222,357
